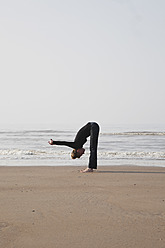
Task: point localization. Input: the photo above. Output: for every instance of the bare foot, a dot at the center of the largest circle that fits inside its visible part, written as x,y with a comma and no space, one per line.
87,170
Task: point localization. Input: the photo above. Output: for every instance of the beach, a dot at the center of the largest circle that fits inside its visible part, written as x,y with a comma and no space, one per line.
49,207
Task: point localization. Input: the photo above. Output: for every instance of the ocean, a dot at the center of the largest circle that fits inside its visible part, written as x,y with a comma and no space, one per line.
142,145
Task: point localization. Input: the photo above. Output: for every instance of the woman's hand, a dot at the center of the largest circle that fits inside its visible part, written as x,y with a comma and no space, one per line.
50,142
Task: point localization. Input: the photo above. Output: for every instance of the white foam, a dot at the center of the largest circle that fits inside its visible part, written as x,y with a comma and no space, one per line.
57,154
134,133
132,155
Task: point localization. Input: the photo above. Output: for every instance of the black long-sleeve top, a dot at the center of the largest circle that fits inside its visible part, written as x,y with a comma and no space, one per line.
80,139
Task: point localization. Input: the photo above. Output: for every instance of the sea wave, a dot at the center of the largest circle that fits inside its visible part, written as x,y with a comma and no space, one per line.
68,132
31,154
48,131
54,154
135,133
132,155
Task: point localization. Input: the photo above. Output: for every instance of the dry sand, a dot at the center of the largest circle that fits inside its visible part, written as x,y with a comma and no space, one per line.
51,207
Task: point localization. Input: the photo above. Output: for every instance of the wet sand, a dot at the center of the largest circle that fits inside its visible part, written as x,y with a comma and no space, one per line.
58,207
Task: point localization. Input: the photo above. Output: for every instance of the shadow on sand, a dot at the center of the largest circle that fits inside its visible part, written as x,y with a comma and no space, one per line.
133,172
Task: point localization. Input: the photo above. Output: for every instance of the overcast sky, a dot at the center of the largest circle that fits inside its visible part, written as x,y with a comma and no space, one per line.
75,61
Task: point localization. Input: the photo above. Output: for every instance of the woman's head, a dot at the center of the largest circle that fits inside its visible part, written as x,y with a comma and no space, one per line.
77,153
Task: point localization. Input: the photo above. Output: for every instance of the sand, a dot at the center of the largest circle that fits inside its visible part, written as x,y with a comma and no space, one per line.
51,207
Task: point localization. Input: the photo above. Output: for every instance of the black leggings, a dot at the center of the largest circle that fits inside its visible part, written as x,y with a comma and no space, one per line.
93,145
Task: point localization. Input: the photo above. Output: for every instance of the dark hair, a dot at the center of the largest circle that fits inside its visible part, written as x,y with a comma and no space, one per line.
74,154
